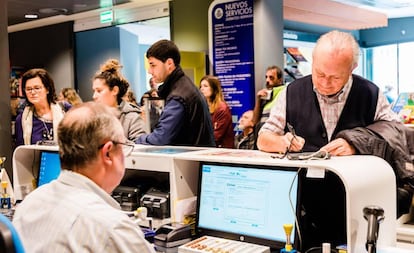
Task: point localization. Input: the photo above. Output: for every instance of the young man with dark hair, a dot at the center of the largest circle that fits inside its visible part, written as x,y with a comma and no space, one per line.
185,120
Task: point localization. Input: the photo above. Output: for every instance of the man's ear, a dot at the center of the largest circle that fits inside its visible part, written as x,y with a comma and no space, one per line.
354,66
170,63
106,149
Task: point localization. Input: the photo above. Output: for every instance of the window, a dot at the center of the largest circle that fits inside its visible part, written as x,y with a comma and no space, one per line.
390,67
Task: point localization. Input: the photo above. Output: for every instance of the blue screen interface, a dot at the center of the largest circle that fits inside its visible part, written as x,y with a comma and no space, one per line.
49,168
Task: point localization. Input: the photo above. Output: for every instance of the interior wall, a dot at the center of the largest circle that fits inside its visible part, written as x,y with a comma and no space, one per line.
5,113
268,38
93,48
398,30
49,47
189,29
131,61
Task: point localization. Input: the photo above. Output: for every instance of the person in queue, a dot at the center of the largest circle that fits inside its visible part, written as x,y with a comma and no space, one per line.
109,87
245,139
41,115
322,104
221,118
69,95
266,97
340,113
185,119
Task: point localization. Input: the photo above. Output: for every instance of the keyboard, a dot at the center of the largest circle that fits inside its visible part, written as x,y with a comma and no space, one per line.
216,244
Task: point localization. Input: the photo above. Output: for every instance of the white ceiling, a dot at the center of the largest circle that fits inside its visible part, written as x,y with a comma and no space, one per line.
17,8
392,8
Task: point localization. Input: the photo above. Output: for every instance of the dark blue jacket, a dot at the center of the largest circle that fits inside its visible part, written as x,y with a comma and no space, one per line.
185,120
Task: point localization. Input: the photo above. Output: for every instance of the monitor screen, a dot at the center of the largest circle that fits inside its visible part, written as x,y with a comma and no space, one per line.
49,168
248,203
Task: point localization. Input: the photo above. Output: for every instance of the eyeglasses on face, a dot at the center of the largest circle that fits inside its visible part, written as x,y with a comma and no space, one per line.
127,146
36,89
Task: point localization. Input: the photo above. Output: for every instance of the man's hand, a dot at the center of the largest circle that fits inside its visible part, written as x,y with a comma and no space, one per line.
293,142
339,147
270,142
262,93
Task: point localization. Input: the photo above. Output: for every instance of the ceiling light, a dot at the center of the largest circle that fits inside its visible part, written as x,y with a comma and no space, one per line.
53,10
31,16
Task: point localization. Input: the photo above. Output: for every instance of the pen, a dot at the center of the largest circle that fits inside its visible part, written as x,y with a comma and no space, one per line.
283,155
291,129
293,132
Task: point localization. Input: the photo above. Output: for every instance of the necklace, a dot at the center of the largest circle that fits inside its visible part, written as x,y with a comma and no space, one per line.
46,133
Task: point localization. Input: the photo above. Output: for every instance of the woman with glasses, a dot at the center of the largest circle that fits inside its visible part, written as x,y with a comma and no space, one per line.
109,87
41,115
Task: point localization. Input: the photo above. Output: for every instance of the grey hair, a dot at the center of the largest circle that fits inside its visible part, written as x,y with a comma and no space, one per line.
340,41
82,132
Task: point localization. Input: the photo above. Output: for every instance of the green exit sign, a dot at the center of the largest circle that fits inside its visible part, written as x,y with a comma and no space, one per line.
107,16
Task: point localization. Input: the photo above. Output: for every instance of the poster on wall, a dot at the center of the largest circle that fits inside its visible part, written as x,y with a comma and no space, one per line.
232,52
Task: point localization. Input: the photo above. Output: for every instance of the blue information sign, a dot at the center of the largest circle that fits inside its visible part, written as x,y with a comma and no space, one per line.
232,51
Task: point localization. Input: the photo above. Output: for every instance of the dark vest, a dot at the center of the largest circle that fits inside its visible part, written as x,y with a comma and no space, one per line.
304,114
197,128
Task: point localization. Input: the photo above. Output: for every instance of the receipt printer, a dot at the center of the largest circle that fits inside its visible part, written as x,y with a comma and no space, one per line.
127,197
157,203
172,235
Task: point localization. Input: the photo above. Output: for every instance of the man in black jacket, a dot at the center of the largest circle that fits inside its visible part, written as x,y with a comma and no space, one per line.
185,119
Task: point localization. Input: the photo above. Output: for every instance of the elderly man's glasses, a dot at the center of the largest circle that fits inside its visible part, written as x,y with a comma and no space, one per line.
36,89
127,146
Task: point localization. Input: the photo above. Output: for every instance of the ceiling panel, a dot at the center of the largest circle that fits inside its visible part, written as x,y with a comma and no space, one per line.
310,11
47,8
333,14
382,4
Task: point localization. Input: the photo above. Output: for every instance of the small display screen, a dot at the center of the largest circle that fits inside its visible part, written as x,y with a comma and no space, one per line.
49,168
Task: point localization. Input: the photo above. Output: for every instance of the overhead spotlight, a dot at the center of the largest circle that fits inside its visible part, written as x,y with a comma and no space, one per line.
53,11
31,16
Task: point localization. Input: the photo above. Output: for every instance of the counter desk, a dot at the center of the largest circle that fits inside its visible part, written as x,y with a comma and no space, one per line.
360,181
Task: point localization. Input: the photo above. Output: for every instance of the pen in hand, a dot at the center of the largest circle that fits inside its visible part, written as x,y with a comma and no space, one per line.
293,132
291,129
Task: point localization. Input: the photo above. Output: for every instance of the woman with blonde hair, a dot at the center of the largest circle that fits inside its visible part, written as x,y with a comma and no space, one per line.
69,95
221,118
109,87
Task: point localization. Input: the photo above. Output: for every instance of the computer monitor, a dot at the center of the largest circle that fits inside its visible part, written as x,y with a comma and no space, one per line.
49,168
247,203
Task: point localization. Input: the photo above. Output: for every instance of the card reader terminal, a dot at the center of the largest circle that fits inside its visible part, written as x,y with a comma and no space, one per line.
172,235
